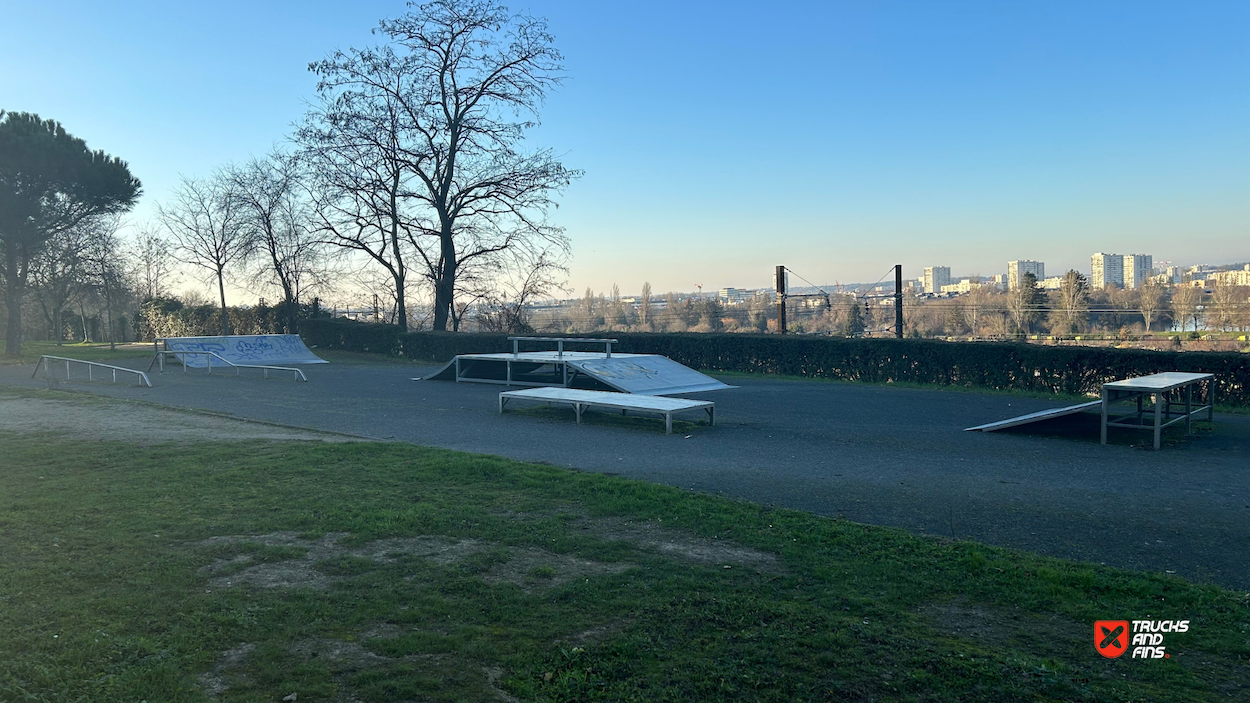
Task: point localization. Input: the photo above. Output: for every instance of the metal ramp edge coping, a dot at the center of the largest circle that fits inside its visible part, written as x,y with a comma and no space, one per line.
1034,417
581,363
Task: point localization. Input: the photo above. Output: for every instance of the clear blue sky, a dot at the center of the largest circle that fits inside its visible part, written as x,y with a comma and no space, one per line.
722,138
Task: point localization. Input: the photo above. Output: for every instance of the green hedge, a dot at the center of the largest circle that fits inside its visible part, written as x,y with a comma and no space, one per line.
997,365
351,336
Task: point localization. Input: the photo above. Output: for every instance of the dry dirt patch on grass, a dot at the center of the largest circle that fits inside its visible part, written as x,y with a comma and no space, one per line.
226,672
536,569
105,419
991,627
531,569
680,544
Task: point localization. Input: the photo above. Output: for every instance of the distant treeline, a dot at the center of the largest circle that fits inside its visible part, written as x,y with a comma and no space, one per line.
994,365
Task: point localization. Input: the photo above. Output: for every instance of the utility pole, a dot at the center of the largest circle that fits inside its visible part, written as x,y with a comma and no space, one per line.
898,300
781,299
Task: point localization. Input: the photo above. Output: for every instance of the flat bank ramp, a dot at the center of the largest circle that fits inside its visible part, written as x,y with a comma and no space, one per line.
641,374
259,349
647,374
1034,417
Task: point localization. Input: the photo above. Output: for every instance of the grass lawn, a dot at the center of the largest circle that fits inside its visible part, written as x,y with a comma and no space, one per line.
387,572
31,351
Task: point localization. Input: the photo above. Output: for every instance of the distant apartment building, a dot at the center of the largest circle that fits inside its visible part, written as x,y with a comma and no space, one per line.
1169,274
999,281
1137,268
1198,272
731,295
1106,269
1236,277
935,277
965,285
1052,283
1017,269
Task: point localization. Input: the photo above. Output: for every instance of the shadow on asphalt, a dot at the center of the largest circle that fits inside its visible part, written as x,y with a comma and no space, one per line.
1087,427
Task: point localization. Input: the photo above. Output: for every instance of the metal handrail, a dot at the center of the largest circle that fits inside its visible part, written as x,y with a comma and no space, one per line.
516,346
47,368
210,355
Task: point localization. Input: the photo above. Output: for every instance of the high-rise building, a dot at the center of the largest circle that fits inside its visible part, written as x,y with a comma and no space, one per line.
1106,269
935,277
1137,269
1017,269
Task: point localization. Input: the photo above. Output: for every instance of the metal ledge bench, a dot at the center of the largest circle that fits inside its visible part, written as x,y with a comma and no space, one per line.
580,400
1166,410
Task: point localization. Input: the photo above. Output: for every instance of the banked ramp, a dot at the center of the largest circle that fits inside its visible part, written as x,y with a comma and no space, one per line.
258,349
642,374
1035,417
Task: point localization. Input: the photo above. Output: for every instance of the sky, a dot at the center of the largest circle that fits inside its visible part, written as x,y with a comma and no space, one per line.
720,139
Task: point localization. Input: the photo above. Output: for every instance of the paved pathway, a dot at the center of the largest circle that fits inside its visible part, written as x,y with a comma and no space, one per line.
874,454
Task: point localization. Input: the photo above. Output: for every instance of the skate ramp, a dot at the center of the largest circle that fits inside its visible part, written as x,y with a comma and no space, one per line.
258,349
647,374
642,374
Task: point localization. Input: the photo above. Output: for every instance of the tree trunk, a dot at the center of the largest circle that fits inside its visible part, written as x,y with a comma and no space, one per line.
445,286
400,275
13,330
225,316
56,325
13,301
108,307
292,310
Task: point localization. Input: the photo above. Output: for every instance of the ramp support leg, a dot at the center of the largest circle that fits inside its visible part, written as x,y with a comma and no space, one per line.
711,416
668,422
1104,415
577,408
1189,408
1158,418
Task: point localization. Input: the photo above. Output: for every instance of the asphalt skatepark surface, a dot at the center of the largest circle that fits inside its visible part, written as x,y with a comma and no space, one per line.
874,454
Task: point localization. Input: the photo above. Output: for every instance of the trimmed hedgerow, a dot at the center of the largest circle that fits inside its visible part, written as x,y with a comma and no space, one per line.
351,336
995,365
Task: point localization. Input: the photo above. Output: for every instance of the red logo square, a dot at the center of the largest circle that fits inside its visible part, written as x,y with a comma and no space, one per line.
1111,637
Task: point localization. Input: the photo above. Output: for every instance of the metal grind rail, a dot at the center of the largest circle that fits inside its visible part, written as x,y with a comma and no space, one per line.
47,369
209,356
560,341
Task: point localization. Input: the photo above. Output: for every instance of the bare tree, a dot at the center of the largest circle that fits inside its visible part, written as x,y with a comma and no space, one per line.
58,274
1226,302
644,307
510,309
103,259
974,305
152,262
1150,300
454,93
1185,302
208,223
1024,303
359,180
281,224
1074,300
